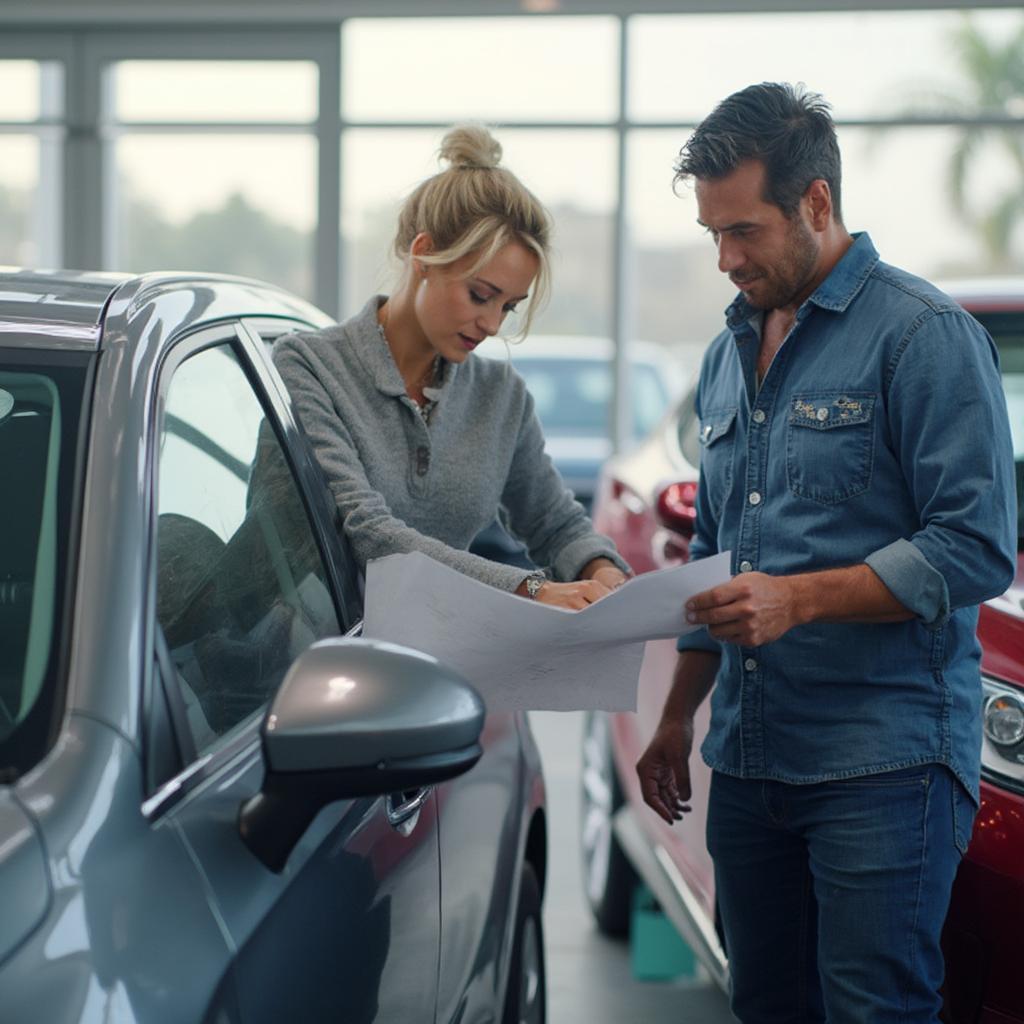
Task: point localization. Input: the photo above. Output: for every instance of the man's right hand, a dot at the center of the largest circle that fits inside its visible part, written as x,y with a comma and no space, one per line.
664,769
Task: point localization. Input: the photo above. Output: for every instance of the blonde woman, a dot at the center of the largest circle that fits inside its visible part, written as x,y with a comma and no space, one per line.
422,441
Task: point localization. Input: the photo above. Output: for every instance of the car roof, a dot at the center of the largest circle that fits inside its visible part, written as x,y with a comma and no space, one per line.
56,297
73,309
987,294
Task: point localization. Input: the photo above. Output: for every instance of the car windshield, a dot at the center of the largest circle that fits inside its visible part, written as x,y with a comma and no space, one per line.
40,406
573,396
1007,329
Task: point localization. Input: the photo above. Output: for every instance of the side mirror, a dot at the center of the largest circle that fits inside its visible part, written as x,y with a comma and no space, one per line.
356,718
676,508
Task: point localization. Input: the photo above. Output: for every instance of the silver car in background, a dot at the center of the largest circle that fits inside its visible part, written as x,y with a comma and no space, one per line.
214,804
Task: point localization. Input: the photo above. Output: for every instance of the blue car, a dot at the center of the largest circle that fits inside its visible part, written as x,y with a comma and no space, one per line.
217,803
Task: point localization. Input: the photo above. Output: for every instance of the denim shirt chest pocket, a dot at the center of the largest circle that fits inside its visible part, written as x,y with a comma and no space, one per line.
830,444
717,446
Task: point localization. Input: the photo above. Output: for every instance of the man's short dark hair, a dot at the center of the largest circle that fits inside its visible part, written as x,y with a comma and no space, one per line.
787,128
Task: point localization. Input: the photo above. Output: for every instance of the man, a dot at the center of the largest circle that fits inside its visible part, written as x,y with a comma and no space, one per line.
856,460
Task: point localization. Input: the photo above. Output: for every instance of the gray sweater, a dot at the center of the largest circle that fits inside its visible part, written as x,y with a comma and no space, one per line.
401,485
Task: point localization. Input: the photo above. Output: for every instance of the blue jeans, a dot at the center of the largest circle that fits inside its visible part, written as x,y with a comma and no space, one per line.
833,895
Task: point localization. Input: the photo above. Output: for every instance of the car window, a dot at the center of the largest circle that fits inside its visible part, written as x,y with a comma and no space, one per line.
573,396
241,586
40,408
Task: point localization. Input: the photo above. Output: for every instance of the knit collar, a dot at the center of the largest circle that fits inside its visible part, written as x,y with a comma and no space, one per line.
374,354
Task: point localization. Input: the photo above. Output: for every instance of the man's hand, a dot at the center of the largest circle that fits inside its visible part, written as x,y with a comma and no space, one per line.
750,610
664,770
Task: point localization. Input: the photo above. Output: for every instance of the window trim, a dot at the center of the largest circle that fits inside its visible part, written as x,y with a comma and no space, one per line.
163,793
54,715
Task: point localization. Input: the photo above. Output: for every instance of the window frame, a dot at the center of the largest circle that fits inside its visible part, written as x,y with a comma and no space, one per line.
55,134
86,50
93,164
173,766
40,730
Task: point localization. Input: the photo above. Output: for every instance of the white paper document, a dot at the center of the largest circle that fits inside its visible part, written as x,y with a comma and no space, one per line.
521,655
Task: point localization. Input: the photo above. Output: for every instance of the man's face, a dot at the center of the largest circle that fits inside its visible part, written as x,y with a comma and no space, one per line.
771,258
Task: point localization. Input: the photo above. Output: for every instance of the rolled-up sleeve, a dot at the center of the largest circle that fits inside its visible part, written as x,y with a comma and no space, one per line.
372,529
947,414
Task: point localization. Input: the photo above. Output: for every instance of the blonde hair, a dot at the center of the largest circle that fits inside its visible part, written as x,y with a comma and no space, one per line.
476,206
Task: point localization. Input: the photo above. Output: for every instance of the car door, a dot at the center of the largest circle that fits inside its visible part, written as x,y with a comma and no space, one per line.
245,578
482,821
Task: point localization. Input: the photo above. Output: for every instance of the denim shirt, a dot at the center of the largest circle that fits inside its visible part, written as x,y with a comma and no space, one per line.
879,435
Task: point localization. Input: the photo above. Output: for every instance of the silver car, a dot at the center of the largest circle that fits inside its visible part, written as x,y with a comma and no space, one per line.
216,802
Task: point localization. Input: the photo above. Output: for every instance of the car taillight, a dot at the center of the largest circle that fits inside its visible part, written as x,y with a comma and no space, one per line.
1003,727
627,498
677,507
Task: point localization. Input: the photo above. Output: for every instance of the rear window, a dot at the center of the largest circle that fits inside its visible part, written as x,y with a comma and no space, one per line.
573,396
1007,330
40,408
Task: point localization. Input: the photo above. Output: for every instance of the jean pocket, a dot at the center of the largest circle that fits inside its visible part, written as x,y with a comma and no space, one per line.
919,775
964,812
717,447
830,445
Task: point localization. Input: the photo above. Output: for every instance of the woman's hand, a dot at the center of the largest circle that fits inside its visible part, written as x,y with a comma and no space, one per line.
611,576
605,571
575,595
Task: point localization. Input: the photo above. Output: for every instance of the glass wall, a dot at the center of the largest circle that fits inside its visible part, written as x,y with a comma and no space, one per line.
930,108
31,139
405,79
285,154
211,165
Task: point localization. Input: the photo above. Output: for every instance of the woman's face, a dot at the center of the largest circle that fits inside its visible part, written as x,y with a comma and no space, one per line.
456,312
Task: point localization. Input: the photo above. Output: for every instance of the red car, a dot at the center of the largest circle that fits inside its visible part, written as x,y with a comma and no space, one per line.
645,502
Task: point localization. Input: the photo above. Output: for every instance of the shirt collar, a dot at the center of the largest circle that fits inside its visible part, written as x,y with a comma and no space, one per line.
835,293
374,354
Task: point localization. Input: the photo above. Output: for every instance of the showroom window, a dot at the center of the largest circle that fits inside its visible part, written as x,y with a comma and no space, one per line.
31,140
554,99
932,140
284,153
212,166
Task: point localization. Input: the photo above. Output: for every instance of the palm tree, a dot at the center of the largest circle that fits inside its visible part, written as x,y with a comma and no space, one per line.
992,98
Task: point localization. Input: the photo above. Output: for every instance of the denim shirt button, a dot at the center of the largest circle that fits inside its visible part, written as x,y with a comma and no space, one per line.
750,665
745,566
758,416
754,498
822,414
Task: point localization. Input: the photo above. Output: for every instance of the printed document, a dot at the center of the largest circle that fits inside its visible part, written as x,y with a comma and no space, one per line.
521,655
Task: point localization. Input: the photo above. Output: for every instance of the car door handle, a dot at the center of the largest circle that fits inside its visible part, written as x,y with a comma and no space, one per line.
403,809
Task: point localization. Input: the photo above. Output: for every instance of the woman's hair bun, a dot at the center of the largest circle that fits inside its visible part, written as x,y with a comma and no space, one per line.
470,146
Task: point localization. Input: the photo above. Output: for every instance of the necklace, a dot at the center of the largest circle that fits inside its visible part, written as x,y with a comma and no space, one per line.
429,379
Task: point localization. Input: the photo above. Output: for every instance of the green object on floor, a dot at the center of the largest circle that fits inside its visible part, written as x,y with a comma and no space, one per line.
657,950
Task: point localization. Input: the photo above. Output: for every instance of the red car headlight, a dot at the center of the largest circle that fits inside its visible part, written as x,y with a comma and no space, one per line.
1002,750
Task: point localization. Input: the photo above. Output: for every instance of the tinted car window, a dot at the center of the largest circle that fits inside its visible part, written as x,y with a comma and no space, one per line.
40,406
573,396
241,587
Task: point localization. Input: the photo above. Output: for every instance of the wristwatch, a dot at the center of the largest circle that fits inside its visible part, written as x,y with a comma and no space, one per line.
533,583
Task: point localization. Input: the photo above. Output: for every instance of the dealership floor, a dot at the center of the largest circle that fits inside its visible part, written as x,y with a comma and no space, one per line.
589,976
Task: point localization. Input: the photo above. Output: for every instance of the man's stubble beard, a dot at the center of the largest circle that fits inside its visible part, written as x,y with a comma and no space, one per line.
794,271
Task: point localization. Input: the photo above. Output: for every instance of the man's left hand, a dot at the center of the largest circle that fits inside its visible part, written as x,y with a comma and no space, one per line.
750,610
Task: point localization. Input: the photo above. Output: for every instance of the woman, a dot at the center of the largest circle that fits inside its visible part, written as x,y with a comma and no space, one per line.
421,442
